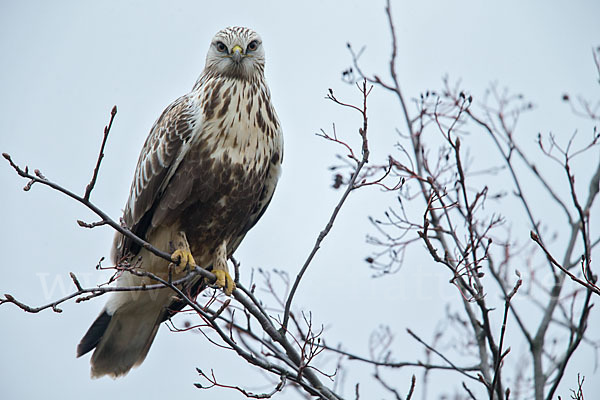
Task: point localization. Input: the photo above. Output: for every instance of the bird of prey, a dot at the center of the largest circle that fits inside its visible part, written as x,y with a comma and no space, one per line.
205,175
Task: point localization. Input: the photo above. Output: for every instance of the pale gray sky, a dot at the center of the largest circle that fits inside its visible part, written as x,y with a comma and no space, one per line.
64,64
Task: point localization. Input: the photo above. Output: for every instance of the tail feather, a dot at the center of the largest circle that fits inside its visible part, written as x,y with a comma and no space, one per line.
124,331
122,337
125,342
92,337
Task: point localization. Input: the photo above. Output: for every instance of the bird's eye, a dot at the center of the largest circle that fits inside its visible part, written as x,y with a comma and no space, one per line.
253,45
221,47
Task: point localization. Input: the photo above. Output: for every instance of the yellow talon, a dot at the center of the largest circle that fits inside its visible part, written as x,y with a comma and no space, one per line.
224,281
185,258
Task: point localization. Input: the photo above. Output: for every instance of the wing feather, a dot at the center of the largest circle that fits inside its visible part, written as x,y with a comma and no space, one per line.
161,154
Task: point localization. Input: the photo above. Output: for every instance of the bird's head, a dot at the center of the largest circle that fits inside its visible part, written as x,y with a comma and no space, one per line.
236,52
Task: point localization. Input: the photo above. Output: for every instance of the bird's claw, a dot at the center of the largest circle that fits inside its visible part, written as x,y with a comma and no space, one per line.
224,281
184,259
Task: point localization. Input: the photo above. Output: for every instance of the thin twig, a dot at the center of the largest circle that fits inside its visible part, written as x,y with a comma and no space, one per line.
93,291
398,364
90,186
496,382
411,390
550,258
104,217
443,357
365,158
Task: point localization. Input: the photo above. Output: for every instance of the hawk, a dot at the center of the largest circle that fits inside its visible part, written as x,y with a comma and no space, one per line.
205,176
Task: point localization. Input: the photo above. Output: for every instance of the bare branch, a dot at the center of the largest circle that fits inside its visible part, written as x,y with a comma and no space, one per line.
443,357
496,381
90,186
365,90
91,292
213,383
589,285
413,382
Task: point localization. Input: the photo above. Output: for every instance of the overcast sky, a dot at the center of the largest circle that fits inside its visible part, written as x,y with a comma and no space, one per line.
64,64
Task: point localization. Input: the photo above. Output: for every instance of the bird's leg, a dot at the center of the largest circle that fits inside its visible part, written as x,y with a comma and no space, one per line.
221,270
181,252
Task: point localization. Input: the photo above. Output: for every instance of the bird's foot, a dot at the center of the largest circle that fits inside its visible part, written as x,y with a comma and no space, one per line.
182,256
221,271
183,259
224,281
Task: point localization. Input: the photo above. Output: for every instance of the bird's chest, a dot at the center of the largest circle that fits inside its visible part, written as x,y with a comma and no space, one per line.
227,174
219,184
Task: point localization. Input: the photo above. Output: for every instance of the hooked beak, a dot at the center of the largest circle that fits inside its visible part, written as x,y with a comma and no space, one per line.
237,53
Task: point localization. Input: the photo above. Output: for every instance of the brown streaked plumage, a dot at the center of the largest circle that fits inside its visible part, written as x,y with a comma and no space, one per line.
206,172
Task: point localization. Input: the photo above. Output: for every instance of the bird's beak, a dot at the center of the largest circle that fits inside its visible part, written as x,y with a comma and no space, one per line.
237,53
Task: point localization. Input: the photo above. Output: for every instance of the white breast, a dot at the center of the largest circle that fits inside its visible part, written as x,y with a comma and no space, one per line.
240,124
